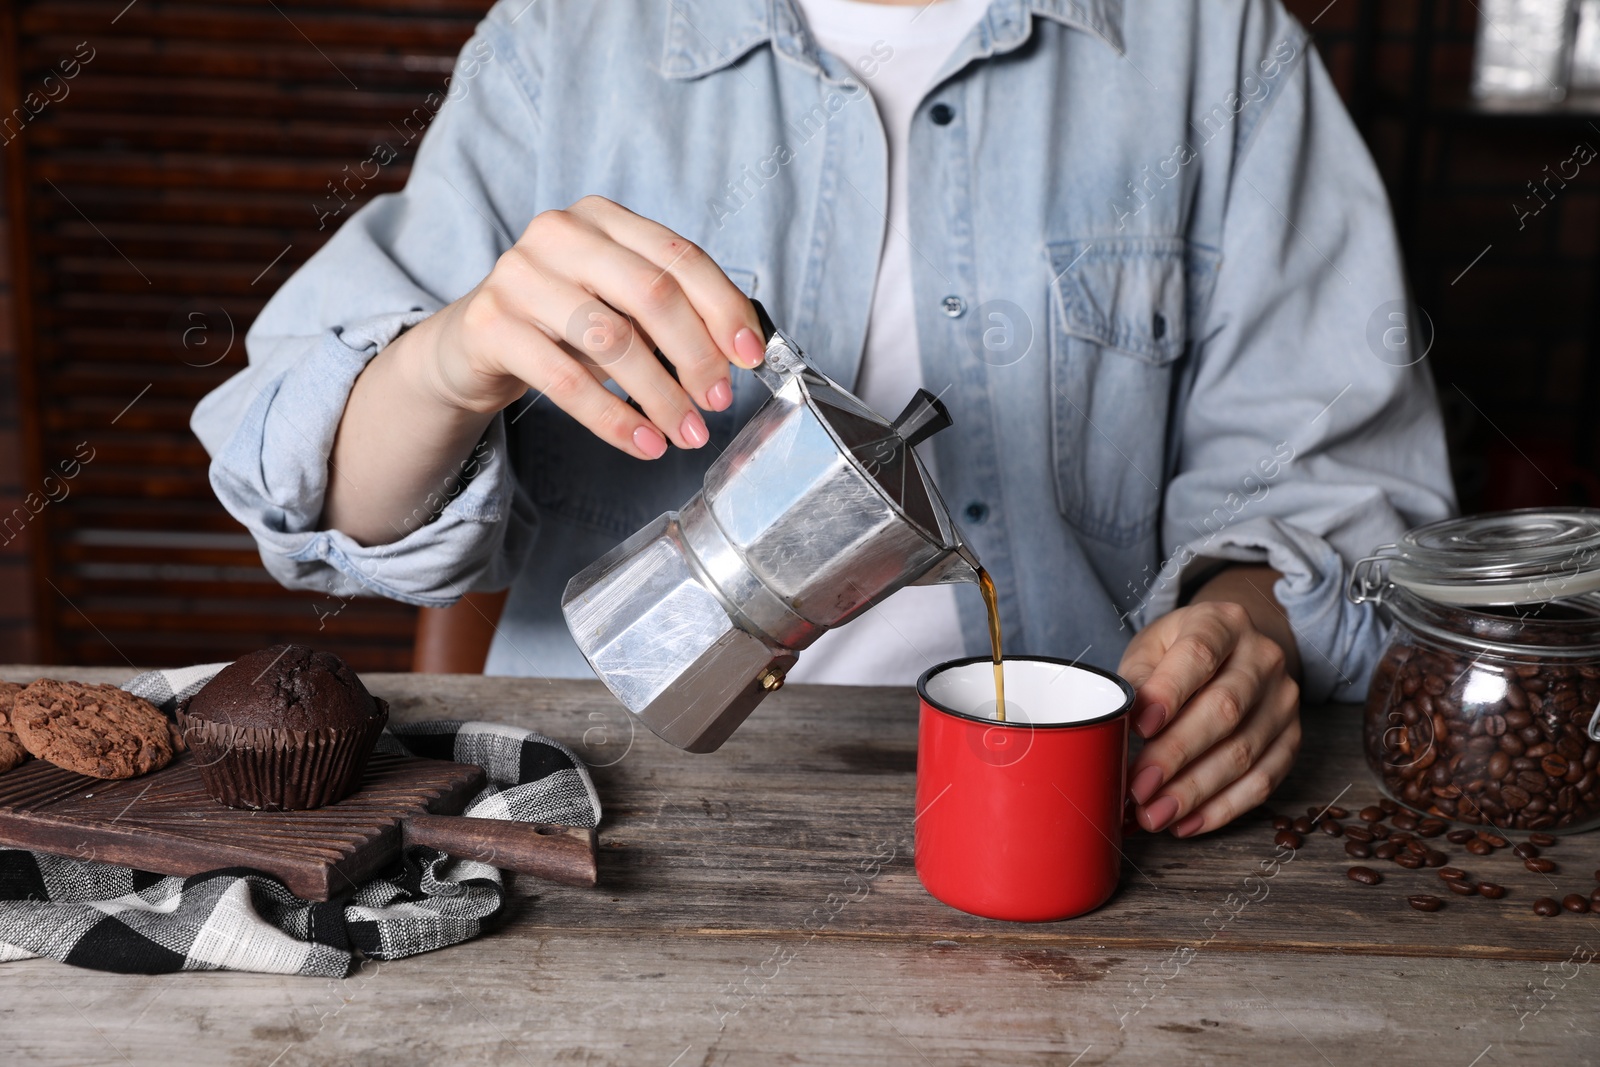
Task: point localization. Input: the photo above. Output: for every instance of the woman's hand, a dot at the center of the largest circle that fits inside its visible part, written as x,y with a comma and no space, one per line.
1217,703
584,296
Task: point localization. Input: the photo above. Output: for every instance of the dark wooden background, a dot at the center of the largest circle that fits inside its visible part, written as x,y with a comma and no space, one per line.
154,208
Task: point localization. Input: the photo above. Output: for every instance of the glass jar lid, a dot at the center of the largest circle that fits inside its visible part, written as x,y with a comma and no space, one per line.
1527,556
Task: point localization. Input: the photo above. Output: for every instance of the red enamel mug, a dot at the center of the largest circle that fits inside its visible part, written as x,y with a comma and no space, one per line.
1022,819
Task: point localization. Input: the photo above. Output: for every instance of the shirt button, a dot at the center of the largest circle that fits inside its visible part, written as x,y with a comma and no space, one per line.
977,511
1158,326
941,114
953,306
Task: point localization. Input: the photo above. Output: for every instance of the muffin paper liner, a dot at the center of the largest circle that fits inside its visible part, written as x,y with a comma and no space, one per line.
280,769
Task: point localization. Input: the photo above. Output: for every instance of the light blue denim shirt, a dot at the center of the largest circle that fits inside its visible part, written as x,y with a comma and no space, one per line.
1156,280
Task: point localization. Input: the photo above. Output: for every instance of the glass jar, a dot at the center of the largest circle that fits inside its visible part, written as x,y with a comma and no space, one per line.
1483,707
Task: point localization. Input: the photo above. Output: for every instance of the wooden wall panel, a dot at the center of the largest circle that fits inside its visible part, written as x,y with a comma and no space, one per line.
172,188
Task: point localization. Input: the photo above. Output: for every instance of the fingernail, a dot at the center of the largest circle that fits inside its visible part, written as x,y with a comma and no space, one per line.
749,347
648,439
693,430
1189,825
1151,720
1157,815
1145,783
719,396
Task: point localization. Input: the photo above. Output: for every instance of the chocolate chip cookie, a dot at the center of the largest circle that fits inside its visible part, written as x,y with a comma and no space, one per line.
11,751
98,730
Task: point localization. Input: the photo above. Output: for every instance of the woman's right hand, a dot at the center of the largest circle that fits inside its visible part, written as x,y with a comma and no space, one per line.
584,296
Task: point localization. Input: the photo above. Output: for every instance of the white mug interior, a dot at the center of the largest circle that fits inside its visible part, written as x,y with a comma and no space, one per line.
1038,692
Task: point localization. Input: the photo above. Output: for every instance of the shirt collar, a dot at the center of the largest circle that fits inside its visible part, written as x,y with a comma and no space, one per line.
705,35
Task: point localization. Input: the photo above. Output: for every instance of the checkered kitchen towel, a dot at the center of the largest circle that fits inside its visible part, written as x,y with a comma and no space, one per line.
116,919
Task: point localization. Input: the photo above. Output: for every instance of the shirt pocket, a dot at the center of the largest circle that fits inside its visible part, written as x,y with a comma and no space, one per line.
1119,325
573,474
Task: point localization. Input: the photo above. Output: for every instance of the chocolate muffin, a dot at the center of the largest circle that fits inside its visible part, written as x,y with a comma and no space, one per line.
286,728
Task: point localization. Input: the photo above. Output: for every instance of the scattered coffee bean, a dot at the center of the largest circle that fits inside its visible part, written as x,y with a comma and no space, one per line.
1386,850
1460,888
1409,860
1314,812
1543,840
1288,839
1526,852
1576,903
1387,806
1370,814
1546,906
1540,865
1331,828
1413,845
1379,831
1479,847
1594,898
1459,837
1432,827
1364,875
1337,812
1283,822
1435,858
1424,902
1357,832
1452,872
1403,820
1302,825
1490,890
1492,840
1361,852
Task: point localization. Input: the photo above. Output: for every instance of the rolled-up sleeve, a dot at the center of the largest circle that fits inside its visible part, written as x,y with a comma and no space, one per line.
1311,431
270,429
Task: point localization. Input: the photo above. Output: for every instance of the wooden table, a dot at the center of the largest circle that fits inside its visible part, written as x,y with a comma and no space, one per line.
732,925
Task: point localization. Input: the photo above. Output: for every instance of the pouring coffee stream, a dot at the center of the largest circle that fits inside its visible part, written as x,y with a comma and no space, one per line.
817,510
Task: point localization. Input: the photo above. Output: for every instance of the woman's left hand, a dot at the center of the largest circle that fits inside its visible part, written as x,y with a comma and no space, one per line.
1218,706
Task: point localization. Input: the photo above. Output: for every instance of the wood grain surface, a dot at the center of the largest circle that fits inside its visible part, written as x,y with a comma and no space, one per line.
759,904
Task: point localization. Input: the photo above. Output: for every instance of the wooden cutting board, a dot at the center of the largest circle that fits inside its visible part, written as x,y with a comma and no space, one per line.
165,822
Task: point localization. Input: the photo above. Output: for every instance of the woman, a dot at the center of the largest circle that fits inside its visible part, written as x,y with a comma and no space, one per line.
1137,247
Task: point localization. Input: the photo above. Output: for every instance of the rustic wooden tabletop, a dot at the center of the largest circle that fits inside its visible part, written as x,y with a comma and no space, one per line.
733,924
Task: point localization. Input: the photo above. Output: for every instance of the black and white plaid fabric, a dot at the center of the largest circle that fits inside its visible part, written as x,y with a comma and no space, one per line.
116,919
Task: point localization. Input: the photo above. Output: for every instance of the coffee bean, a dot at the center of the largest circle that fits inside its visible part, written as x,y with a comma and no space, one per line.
1479,847
1490,890
1526,852
1378,830
1424,902
1370,814
1540,865
1386,850
1460,888
1432,827
1288,839
1358,850
1387,806
1452,872
1403,820
1364,875
1594,898
1542,840
1331,828
1576,903
1546,906
1435,858
1337,812
1524,761
1357,832
1492,840
1459,837
1283,822
1409,860
1302,825
1418,847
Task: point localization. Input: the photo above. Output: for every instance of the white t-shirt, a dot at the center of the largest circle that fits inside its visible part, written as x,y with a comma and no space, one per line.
903,46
